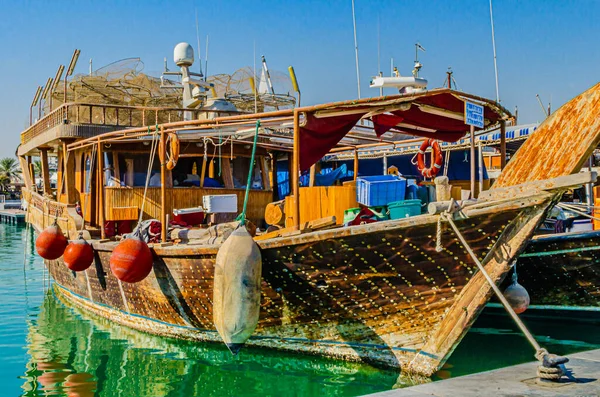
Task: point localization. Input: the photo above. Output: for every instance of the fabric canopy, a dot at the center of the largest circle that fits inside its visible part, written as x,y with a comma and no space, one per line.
319,135
438,115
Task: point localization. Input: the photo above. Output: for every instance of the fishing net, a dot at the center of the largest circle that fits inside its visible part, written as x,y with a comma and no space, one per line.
124,83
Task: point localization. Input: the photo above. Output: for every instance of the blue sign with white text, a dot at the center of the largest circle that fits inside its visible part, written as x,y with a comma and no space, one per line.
474,114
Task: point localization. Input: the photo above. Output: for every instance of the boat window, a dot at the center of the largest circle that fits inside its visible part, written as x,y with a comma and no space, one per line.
87,173
133,169
109,168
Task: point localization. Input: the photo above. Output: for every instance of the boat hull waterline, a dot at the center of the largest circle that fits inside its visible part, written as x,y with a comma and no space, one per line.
378,294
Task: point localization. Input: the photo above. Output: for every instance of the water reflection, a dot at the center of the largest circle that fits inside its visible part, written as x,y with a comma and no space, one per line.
75,356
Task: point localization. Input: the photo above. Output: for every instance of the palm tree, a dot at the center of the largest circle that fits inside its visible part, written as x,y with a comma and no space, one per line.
9,168
37,168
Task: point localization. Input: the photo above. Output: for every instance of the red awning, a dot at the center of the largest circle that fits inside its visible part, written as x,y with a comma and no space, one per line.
430,115
319,135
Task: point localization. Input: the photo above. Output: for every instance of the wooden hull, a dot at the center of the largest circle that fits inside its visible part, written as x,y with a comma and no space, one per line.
562,271
377,293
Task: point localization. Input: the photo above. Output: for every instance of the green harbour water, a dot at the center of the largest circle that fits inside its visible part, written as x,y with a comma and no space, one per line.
51,349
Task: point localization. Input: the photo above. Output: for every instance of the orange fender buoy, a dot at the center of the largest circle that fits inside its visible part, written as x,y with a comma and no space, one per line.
79,255
131,261
51,243
171,149
437,159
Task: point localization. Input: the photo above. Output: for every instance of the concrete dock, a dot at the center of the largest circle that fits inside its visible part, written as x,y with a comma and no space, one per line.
14,216
517,380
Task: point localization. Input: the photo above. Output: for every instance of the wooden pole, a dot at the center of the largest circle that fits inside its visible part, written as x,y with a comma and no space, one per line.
45,170
313,172
296,170
101,190
32,176
163,188
480,168
472,138
502,144
355,163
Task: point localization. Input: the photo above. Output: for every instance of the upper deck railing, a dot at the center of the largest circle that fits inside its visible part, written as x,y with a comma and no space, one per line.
107,115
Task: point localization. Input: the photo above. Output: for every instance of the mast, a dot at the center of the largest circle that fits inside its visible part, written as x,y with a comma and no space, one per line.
494,47
356,50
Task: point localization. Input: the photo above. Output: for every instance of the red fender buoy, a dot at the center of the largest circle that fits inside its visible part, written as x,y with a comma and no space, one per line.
131,261
79,255
51,243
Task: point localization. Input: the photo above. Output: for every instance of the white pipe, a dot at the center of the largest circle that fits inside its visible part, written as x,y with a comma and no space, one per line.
385,164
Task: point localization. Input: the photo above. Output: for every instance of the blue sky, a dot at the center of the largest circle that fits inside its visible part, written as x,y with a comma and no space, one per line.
544,47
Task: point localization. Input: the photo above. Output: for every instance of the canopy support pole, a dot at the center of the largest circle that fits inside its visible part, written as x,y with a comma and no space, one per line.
355,163
480,169
472,139
502,144
163,181
101,190
45,170
296,170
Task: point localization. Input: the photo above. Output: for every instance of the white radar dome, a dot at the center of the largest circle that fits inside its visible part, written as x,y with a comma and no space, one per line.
183,54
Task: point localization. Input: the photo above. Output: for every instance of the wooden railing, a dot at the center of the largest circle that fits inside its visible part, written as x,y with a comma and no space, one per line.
181,197
107,115
43,211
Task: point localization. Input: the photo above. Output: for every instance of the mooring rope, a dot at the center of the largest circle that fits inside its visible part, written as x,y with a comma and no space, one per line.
492,284
153,148
242,216
551,367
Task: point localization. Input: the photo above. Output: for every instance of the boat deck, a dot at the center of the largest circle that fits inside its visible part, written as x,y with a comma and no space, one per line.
517,380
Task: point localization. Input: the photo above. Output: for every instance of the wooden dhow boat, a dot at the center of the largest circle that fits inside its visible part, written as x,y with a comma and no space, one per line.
560,267
399,293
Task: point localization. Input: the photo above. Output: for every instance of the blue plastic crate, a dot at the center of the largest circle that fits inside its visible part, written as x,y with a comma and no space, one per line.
380,189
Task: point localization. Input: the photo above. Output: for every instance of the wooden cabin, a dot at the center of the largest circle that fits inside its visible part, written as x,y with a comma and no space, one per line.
104,152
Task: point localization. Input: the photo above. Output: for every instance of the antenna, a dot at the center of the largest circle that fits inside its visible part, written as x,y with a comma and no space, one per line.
255,91
356,50
494,47
418,65
73,62
379,52
57,77
47,88
206,60
542,105
294,82
43,96
70,70
36,97
198,40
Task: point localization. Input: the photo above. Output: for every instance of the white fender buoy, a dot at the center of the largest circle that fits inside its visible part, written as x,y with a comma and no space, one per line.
236,289
516,294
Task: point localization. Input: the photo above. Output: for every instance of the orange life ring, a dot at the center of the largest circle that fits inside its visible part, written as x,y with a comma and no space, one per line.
171,150
437,159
